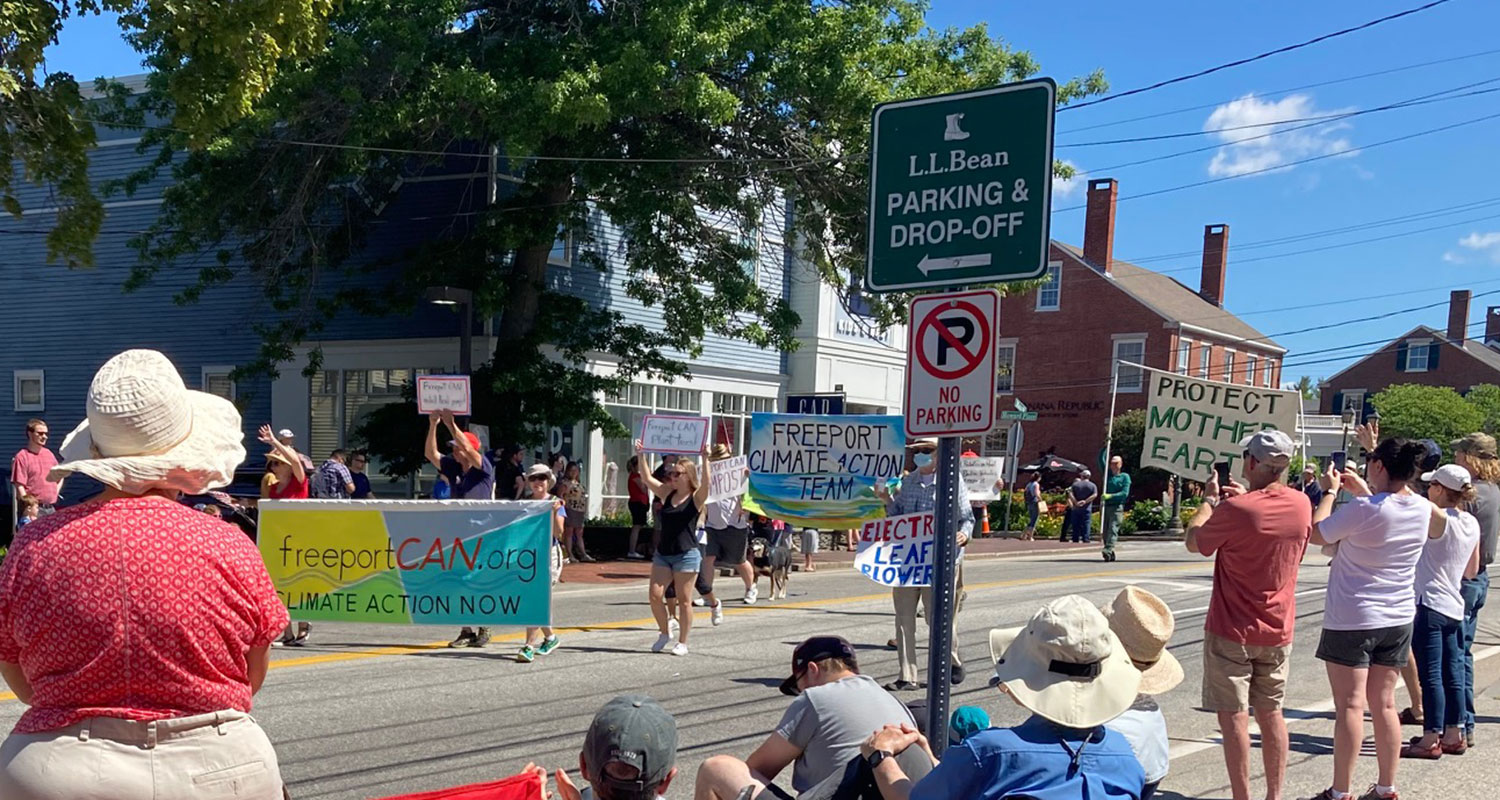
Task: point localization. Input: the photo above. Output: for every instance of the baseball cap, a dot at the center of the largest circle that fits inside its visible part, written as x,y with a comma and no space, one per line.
815,648
634,730
967,721
1432,458
1270,446
285,433
1476,444
472,437
1450,475
921,444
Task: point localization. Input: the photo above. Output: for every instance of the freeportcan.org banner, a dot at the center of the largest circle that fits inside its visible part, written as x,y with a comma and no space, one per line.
1192,424
415,562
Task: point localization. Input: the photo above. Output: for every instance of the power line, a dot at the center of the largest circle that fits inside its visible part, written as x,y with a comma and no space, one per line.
1279,92
1299,162
1240,62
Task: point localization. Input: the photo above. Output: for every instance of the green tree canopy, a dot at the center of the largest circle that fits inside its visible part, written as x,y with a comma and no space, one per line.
1425,412
212,62
1486,398
667,118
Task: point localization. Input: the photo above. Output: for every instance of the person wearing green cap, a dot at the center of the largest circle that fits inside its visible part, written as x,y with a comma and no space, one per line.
629,753
966,721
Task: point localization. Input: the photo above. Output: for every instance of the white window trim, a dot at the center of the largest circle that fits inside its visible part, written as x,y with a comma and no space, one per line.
1015,352
1252,368
568,257
1413,344
1039,306
219,371
1206,363
1270,369
1184,355
1229,364
1128,338
22,375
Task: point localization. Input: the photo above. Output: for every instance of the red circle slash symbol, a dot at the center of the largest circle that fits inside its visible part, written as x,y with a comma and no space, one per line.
936,322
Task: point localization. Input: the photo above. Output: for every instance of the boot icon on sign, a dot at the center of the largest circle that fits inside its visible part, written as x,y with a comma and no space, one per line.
955,133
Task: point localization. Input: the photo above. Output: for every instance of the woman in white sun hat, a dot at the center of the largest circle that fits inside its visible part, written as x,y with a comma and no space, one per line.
1072,673
133,583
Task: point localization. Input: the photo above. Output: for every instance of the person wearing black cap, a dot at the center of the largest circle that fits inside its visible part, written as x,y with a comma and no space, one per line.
819,735
629,753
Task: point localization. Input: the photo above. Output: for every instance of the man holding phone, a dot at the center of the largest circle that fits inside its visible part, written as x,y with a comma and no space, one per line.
1259,532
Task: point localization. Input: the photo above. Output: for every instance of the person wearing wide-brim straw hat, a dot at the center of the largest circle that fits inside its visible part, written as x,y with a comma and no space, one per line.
124,562
1144,624
1073,674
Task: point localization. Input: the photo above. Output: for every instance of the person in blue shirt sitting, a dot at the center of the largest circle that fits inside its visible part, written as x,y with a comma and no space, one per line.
1071,672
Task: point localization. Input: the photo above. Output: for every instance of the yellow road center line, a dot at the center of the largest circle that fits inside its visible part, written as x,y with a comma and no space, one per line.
406,650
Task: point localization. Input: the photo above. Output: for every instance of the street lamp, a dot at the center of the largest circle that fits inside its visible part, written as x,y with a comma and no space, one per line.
1348,418
464,299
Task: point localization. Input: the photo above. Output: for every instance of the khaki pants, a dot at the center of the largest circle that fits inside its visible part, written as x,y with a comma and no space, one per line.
224,754
905,599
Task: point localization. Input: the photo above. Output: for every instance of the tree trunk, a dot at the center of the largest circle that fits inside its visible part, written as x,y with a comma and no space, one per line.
528,274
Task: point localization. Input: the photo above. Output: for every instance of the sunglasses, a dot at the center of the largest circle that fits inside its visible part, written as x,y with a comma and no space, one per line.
537,479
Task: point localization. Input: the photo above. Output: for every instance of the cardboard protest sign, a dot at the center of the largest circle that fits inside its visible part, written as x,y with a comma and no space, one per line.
443,393
897,551
1191,424
671,433
980,474
819,471
727,478
412,562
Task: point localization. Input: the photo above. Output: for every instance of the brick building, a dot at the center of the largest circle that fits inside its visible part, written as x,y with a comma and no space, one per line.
1424,355
1058,343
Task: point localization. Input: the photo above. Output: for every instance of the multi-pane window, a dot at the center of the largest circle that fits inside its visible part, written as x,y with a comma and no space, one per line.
1130,374
1205,360
1228,375
30,387
216,381
1184,355
1416,355
342,398
1251,362
1049,297
1270,373
1005,368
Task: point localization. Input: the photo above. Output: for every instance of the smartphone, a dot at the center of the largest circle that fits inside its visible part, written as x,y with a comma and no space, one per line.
1223,469
1340,459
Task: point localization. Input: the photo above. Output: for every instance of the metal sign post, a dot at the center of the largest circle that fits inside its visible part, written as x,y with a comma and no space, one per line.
940,621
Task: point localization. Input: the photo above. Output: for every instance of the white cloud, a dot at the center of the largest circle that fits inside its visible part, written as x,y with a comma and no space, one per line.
1066,187
1249,149
1487,244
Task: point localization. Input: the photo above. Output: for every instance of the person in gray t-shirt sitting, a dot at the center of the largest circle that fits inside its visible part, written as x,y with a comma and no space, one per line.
820,734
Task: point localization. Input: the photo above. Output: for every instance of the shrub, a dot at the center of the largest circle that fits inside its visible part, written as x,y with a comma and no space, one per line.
619,519
1146,515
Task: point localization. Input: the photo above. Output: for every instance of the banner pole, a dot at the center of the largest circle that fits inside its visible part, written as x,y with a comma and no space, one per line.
940,626
1109,439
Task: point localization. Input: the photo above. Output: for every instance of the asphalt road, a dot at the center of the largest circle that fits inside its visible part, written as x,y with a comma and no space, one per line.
371,711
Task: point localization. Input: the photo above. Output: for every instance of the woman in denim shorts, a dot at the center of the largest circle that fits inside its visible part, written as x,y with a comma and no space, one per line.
683,495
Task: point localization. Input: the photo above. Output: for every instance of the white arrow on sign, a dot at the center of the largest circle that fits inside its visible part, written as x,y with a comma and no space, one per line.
929,265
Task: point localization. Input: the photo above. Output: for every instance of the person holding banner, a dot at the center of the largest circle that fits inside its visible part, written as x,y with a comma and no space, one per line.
539,483
471,477
683,493
286,479
1116,492
918,493
728,537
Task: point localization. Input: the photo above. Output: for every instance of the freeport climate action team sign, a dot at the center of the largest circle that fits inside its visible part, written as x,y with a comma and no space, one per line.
820,470
415,562
1191,424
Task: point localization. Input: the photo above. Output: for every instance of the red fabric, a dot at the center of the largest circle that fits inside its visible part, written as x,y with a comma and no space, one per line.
516,787
30,471
293,489
139,608
638,492
1260,537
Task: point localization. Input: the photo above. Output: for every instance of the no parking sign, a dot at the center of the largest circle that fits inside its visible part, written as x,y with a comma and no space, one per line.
950,363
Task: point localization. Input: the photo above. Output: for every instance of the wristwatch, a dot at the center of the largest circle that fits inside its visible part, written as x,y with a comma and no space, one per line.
876,757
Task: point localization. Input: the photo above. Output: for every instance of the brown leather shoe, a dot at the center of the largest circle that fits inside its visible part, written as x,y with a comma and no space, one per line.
1416,750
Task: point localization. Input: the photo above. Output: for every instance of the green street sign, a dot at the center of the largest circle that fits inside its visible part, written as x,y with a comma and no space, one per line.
1018,416
1020,406
961,188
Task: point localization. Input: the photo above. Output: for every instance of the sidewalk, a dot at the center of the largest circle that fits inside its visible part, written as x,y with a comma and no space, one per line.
624,571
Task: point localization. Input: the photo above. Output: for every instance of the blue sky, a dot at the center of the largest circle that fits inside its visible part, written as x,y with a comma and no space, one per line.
1140,43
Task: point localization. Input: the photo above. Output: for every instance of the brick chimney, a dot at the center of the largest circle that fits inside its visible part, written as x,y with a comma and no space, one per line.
1492,326
1215,263
1099,224
1458,315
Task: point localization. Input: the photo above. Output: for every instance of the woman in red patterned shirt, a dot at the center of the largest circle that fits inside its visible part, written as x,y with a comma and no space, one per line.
134,627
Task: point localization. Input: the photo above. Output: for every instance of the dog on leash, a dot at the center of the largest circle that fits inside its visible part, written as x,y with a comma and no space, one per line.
772,560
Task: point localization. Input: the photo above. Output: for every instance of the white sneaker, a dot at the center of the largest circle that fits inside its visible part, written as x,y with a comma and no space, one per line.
698,601
679,649
672,627
717,613
661,643
751,595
